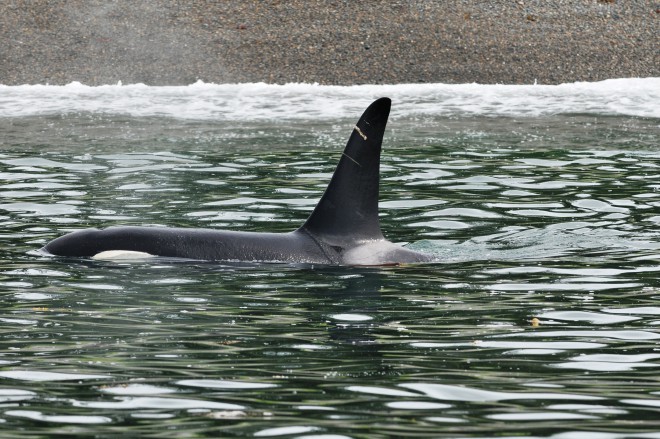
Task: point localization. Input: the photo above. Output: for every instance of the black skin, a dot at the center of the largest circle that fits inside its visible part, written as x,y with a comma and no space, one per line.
343,229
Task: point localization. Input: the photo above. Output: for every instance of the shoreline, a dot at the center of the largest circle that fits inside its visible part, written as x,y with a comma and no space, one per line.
165,42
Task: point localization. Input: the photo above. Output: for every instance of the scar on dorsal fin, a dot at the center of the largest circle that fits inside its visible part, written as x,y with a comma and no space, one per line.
357,128
348,210
351,158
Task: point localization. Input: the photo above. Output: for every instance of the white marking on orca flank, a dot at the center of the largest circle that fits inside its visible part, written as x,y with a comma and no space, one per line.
113,255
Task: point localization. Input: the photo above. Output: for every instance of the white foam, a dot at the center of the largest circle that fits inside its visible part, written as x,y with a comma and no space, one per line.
257,102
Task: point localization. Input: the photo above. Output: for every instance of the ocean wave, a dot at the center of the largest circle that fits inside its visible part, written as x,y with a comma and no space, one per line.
638,97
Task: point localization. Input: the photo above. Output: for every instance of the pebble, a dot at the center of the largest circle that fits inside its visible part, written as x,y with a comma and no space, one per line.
169,42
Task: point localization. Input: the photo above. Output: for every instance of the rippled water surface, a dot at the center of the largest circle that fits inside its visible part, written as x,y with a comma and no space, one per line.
540,317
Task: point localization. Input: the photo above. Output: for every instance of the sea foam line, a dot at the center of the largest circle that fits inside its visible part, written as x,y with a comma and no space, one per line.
258,101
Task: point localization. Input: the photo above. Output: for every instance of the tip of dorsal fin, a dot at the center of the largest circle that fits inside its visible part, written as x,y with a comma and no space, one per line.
348,210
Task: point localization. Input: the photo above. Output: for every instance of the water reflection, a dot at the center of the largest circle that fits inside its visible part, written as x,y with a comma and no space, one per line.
543,305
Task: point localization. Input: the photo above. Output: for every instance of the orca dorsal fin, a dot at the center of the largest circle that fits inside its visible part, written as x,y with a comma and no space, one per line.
348,210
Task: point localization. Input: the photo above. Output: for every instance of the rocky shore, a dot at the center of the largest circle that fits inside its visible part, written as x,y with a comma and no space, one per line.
172,42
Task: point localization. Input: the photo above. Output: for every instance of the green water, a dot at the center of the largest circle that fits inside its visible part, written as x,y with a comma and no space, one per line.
539,319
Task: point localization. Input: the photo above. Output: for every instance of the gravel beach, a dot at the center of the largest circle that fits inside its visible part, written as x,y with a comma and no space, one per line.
167,42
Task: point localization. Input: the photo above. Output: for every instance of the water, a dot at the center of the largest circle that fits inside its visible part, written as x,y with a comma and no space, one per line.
539,319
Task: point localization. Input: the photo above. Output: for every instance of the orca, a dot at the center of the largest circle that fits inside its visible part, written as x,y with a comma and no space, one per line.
343,229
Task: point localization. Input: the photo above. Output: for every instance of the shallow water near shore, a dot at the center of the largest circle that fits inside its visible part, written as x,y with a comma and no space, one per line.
539,318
